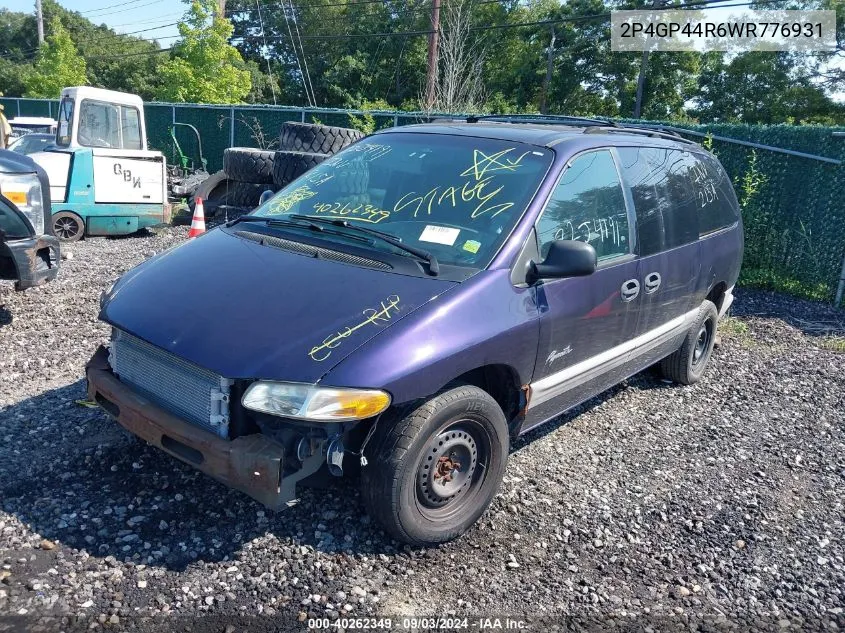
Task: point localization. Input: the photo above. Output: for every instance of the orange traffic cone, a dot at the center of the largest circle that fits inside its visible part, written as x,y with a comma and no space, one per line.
198,223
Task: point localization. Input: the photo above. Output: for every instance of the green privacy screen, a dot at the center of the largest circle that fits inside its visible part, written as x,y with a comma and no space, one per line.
794,223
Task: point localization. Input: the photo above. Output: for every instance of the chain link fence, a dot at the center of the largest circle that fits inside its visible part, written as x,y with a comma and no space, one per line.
794,219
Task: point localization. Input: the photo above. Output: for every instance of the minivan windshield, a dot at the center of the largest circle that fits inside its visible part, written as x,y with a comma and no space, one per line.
456,197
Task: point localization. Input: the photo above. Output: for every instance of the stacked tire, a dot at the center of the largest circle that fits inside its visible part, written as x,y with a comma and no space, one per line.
303,146
248,172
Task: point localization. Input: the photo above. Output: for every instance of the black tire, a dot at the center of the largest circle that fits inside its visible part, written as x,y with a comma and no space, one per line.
244,194
687,364
321,139
352,177
209,191
406,458
288,165
68,227
247,164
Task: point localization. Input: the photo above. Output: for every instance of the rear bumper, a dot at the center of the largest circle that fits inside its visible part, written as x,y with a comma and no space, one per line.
36,259
252,464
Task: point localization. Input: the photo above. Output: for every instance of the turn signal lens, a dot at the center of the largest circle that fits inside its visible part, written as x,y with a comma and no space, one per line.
310,402
347,405
18,197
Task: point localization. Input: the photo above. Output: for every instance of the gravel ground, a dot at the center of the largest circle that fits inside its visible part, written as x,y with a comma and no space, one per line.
720,503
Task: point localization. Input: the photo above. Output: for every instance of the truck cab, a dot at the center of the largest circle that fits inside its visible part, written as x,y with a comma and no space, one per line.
103,179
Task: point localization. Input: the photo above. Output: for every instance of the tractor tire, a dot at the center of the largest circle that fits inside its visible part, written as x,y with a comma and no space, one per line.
247,164
321,139
288,165
352,177
245,195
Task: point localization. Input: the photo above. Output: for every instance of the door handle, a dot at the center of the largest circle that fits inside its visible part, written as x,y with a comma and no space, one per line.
630,290
652,282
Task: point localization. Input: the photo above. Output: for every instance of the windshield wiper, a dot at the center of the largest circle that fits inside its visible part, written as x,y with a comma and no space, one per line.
274,222
429,258
307,224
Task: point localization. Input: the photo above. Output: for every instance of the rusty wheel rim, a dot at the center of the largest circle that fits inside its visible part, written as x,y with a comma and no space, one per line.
451,469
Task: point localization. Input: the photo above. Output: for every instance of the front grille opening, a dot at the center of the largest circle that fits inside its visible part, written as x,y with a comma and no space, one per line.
190,392
312,251
183,451
110,407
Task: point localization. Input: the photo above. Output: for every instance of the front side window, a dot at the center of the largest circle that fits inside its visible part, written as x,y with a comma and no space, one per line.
457,197
65,122
587,205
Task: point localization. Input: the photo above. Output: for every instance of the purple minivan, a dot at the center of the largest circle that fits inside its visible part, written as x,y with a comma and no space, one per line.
403,311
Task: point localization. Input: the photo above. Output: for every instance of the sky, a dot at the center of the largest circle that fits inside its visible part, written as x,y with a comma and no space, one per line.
154,19
124,16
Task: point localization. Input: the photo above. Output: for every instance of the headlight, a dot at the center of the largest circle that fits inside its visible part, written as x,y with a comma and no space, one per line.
24,190
310,402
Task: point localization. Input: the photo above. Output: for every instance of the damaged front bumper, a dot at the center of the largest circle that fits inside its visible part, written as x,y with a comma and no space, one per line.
252,464
29,261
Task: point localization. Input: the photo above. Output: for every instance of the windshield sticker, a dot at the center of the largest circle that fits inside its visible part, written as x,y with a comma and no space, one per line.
472,246
351,211
439,235
373,316
285,202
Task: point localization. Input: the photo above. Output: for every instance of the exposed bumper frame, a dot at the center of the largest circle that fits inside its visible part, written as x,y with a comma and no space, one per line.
252,464
36,259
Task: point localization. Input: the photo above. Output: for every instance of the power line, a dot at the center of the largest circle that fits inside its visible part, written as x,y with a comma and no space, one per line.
114,6
269,71
304,60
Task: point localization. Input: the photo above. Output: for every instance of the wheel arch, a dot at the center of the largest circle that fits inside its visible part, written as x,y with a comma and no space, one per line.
503,384
716,294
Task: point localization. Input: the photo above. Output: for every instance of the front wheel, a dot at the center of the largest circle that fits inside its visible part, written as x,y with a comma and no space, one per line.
434,470
68,227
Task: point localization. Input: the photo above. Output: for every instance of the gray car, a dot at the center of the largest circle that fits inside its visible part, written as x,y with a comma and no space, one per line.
29,252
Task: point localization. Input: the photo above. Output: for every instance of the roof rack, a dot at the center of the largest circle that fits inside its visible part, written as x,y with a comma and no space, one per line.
655,132
548,119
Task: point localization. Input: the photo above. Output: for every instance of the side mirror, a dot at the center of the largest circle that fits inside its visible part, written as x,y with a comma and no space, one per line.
566,258
265,196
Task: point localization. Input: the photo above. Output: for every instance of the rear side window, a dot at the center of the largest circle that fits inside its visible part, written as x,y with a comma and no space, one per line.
663,198
715,199
587,205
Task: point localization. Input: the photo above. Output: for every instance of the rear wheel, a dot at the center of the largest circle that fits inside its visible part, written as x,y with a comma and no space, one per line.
433,471
68,226
687,364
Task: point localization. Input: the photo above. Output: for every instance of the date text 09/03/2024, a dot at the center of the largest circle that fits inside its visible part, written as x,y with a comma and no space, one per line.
418,623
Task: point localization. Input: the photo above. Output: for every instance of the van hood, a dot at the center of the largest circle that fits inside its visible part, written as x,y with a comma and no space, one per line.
246,310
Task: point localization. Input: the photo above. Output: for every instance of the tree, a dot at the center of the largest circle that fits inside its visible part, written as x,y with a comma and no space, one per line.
114,61
58,65
203,67
459,85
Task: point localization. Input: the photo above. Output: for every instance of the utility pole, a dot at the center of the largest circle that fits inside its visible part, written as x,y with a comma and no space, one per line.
433,37
638,104
221,8
549,65
39,16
